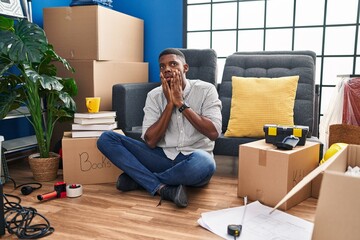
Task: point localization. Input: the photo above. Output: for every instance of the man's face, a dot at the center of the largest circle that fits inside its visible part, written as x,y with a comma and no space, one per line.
169,63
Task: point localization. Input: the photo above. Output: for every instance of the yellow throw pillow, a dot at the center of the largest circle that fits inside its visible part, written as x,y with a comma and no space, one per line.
259,101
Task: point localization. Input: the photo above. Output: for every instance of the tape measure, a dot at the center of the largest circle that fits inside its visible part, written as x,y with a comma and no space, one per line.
234,230
74,190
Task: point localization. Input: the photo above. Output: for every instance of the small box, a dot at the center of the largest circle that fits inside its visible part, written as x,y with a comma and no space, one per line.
83,163
276,133
96,79
268,174
95,33
338,208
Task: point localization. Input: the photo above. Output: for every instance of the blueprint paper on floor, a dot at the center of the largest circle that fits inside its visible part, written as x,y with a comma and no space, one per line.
258,224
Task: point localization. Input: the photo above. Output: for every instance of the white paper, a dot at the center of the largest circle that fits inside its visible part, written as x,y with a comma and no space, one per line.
258,223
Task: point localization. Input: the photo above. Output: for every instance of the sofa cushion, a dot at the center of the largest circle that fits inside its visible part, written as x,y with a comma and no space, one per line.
229,146
259,101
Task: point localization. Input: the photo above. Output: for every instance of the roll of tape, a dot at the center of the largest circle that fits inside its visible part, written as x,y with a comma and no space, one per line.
74,190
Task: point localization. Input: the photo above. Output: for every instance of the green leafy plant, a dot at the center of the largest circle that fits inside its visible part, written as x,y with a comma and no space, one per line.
28,78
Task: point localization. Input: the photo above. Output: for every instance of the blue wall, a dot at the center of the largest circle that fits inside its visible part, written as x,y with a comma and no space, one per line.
163,27
163,23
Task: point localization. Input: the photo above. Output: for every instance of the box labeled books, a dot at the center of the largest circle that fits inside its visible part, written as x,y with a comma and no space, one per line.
83,163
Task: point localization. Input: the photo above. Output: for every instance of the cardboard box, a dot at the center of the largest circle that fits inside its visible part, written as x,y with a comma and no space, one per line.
316,185
83,163
96,79
268,174
94,32
338,209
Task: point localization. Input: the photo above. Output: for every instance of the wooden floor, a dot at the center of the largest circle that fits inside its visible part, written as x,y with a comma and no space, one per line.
102,212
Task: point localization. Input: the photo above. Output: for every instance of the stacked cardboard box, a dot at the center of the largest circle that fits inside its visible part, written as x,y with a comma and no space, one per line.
105,47
102,45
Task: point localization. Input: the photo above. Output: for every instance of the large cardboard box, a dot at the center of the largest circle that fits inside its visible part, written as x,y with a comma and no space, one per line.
83,163
268,174
96,79
95,33
338,209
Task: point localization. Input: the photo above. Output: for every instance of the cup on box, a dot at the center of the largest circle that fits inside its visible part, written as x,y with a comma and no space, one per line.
93,104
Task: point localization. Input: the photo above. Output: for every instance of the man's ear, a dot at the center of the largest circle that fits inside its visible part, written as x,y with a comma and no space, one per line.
186,68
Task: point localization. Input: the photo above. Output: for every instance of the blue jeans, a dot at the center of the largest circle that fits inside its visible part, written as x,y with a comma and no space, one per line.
151,168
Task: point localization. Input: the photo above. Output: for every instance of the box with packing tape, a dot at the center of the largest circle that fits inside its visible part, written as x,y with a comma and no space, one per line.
276,133
267,174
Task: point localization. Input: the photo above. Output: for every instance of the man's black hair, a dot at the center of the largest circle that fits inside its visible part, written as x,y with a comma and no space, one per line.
172,51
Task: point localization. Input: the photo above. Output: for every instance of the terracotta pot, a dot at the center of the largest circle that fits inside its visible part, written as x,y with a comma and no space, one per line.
44,169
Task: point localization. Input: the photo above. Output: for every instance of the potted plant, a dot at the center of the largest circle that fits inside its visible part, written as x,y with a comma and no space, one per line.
28,78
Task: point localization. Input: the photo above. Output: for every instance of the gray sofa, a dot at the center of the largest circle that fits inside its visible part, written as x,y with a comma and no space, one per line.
129,99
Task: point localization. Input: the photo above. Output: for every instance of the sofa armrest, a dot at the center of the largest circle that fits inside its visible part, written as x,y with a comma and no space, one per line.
128,100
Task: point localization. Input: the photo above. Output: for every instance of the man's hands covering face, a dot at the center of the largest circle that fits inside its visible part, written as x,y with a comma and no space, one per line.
173,87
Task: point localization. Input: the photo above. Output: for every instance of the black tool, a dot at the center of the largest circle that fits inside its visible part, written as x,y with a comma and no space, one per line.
235,229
